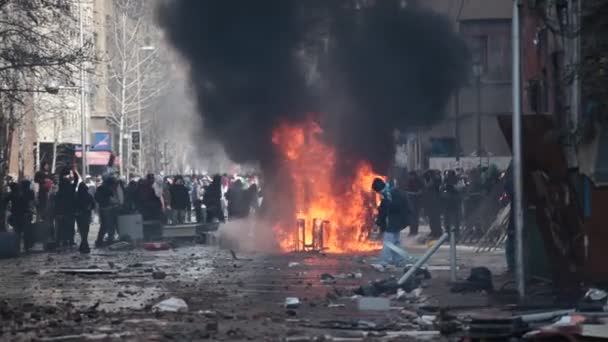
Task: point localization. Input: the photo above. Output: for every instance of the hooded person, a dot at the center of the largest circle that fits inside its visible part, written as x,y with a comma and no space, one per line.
180,199
393,217
109,204
212,199
65,208
148,201
22,200
84,209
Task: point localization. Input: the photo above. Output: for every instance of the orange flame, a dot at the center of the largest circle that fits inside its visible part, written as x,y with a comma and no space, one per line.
310,164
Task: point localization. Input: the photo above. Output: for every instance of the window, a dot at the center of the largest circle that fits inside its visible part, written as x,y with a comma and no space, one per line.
490,45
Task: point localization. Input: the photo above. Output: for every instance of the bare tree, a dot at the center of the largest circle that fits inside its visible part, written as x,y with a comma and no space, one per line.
33,50
135,70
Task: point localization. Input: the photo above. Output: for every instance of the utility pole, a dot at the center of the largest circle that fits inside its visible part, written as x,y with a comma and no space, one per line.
83,114
517,201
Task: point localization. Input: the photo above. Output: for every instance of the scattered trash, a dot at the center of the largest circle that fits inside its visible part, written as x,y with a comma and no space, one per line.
480,279
157,246
85,271
387,286
373,304
327,278
593,300
172,304
378,267
351,275
293,264
412,295
420,273
299,339
159,275
30,272
121,246
292,302
332,306
426,321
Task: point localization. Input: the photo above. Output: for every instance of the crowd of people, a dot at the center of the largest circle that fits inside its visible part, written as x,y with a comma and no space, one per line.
55,203
432,196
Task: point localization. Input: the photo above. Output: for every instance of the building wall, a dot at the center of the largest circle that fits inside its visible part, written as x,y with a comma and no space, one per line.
486,26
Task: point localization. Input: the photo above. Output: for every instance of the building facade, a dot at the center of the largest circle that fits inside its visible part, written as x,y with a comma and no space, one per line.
470,127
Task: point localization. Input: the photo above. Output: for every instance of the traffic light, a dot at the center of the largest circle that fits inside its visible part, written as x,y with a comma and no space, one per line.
135,140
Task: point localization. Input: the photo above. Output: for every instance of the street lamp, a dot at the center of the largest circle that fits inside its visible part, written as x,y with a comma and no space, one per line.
140,151
478,72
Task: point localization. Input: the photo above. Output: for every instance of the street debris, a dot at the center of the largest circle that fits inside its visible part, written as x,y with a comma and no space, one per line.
333,306
378,267
292,302
480,279
409,296
157,246
373,304
327,278
158,275
386,286
350,275
293,264
85,271
121,246
172,304
594,300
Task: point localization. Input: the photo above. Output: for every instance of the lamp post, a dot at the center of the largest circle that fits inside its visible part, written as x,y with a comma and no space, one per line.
83,114
478,72
139,83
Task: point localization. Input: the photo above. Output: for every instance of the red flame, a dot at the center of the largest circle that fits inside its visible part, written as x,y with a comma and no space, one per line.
310,164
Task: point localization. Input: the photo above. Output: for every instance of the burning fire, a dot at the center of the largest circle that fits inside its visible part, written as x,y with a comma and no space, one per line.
310,164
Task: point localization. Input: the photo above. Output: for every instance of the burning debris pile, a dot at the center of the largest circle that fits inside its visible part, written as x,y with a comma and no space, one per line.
377,67
327,216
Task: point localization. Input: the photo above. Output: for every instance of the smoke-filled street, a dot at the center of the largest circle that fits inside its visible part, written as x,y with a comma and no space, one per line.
227,299
303,170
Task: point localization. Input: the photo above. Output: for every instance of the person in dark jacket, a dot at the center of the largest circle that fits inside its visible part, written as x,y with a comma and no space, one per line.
148,204
180,199
212,199
414,187
22,200
131,197
451,202
109,204
430,200
44,179
393,217
65,208
237,201
84,208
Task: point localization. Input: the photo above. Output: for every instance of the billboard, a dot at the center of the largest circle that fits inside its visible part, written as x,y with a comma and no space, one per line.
102,141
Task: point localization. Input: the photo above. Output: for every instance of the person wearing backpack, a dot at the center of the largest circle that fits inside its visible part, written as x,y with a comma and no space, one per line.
393,217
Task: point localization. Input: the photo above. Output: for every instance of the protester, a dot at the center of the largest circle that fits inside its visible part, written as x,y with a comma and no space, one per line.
22,204
237,203
432,209
65,208
451,202
148,203
212,199
393,217
109,203
180,200
84,208
44,179
414,188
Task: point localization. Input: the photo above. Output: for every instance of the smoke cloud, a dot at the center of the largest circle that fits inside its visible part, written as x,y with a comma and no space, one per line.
379,66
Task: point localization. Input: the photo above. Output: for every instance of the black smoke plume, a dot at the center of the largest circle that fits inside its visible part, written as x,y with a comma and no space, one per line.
382,66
